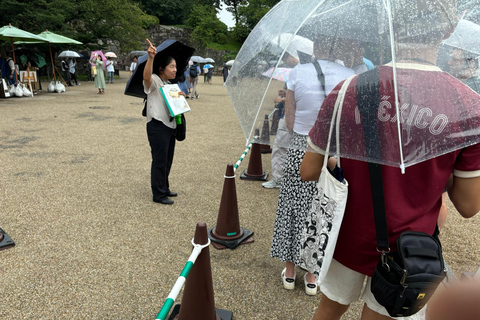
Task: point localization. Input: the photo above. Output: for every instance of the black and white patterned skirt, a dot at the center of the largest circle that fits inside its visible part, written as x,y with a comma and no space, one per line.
294,202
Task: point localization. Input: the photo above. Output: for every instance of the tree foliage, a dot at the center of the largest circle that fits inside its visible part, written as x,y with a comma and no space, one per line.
174,12
88,21
249,14
96,22
205,24
232,7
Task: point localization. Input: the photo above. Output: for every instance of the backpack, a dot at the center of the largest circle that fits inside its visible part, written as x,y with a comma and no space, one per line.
193,71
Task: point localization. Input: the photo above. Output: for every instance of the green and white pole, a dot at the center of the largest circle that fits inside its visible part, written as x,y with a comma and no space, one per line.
242,156
197,249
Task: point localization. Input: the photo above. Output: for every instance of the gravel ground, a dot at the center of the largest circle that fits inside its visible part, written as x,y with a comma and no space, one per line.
91,244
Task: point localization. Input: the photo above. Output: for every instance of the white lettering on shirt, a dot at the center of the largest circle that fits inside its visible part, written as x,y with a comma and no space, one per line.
421,118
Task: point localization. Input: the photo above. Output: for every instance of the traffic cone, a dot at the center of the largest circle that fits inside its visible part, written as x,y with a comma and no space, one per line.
198,302
265,137
228,233
5,241
254,170
275,119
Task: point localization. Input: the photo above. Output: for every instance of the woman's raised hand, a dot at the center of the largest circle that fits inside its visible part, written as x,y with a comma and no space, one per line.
152,51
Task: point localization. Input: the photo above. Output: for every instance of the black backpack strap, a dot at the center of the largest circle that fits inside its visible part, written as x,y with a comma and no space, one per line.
368,99
320,75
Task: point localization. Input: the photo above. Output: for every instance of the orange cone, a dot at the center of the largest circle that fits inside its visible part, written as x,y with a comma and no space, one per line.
265,137
198,301
228,233
5,241
254,170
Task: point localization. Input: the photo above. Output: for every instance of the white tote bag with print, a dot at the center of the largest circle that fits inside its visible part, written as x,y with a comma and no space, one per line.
325,216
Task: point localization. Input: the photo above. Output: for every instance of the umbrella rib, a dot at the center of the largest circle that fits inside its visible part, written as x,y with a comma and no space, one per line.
278,62
392,48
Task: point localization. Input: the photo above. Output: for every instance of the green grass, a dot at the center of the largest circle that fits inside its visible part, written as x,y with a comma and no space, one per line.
229,46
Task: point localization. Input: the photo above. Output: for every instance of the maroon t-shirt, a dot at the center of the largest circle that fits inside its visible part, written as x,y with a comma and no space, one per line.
435,108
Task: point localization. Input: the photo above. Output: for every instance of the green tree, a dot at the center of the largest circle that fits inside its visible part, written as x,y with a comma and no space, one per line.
168,12
89,21
232,7
174,12
249,15
205,24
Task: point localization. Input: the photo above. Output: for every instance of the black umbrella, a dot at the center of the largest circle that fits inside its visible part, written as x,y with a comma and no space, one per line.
180,52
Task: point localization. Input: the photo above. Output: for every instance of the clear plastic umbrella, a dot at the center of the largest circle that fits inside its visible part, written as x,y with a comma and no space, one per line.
69,54
421,111
198,59
110,55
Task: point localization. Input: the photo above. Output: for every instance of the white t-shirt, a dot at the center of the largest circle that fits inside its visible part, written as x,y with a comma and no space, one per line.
156,106
110,67
133,66
303,80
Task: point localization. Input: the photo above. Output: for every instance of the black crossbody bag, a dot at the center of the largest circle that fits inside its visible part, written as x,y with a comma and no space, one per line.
403,281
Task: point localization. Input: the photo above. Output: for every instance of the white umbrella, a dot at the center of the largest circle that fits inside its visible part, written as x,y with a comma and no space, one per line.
69,54
210,60
110,55
229,63
198,59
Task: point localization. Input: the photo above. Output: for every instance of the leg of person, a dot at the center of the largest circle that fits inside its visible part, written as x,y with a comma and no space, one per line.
171,152
279,153
369,314
329,309
341,287
194,90
196,84
159,136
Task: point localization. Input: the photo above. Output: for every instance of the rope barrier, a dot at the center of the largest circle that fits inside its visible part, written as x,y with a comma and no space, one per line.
197,249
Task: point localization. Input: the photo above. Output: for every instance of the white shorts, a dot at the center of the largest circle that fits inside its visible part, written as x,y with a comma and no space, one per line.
343,285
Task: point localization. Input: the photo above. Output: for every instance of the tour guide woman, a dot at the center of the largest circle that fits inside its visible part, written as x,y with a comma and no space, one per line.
160,129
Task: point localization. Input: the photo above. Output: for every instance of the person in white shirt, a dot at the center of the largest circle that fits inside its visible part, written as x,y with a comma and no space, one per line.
304,97
160,126
133,65
110,69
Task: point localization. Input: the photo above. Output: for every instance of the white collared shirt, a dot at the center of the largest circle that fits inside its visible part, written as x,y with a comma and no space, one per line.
156,106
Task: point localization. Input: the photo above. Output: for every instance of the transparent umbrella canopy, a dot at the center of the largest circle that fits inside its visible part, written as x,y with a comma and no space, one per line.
419,109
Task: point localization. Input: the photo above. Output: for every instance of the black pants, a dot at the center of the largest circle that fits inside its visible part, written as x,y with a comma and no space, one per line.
67,77
73,78
162,144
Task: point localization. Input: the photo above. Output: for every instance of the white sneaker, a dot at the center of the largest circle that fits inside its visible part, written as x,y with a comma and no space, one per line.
271,184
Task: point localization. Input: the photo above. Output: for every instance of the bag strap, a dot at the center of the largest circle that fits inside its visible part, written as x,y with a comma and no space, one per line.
320,75
368,99
337,111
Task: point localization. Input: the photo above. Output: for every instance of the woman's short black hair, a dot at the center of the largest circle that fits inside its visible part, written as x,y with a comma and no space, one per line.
163,62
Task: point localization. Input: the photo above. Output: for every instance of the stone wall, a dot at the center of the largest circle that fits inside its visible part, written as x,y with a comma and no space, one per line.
159,33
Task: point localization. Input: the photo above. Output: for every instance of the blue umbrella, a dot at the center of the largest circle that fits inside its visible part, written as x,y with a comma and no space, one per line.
208,66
